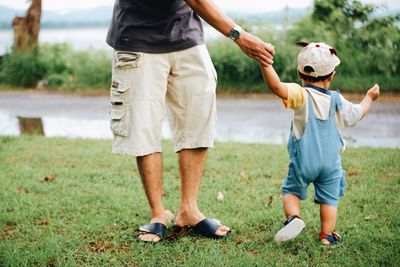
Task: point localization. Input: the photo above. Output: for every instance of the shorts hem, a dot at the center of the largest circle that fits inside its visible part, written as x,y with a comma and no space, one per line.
194,145
330,203
302,197
135,153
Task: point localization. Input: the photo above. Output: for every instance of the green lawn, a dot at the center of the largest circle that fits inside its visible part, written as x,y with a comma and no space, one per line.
72,203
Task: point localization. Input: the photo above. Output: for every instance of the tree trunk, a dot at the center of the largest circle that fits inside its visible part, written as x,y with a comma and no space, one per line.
26,29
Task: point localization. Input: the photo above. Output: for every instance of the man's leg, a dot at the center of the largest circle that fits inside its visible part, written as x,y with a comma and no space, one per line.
150,169
328,216
191,163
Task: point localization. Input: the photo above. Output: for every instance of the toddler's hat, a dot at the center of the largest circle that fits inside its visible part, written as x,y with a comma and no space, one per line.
319,56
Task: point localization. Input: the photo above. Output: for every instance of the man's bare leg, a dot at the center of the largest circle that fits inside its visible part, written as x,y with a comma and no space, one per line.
191,163
150,169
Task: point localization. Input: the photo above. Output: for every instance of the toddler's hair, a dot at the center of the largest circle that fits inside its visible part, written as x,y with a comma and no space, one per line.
309,69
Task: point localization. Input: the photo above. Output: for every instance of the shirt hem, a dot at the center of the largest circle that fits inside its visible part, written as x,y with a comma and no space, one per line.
157,50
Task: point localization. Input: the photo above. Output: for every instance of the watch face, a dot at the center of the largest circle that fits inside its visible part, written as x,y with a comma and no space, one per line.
235,34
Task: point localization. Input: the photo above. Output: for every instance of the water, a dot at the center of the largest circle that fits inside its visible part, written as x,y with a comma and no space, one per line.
259,120
78,38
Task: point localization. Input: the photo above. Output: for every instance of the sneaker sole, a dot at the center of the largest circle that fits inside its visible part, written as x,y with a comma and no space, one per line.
290,231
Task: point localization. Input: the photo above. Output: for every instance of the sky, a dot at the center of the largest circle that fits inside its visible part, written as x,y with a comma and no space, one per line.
250,6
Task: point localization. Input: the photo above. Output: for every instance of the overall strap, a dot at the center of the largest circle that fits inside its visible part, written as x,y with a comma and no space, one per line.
310,104
335,104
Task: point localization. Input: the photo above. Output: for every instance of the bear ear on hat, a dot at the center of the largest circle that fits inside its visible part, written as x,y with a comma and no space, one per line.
303,44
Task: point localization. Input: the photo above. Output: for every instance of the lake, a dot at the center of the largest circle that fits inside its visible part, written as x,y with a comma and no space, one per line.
78,38
244,120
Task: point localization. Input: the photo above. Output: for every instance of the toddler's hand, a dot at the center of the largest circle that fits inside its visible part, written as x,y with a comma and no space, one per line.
373,92
271,47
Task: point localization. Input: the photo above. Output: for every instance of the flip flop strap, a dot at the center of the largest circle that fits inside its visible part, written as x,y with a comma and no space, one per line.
158,229
207,227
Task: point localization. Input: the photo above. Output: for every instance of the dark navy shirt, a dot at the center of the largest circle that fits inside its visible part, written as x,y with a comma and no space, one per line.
154,26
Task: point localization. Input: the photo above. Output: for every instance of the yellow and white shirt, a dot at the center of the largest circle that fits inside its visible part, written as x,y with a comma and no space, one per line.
348,116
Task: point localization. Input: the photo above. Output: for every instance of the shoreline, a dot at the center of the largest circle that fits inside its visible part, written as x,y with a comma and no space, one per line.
385,96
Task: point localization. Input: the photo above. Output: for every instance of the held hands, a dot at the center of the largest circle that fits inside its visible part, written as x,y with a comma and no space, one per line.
255,48
373,93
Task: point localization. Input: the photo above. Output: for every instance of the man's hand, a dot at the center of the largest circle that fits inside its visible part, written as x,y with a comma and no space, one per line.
373,93
255,48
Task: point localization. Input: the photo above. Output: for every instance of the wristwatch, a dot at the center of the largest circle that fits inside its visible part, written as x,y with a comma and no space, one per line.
234,34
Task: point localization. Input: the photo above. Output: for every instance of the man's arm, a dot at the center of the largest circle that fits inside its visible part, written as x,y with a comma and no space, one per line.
272,80
371,95
251,45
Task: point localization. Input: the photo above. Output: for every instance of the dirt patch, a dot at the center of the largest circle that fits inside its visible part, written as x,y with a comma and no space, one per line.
8,230
102,246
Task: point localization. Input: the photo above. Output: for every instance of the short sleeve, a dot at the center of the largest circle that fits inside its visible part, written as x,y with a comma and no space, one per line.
296,96
351,113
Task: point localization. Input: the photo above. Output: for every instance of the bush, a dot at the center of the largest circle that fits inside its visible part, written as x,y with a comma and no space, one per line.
59,65
22,69
367,46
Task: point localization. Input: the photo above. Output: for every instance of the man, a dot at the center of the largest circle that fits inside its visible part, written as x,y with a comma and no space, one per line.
160,58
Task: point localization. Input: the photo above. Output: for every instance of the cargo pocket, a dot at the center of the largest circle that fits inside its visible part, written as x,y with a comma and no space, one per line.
127,60
120,107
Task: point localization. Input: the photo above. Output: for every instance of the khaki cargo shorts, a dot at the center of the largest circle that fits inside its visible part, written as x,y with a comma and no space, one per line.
144,86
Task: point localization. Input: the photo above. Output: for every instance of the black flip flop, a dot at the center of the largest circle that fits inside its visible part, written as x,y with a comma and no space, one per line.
208,228
158,229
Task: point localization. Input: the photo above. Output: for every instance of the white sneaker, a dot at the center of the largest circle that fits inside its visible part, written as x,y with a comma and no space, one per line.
291,228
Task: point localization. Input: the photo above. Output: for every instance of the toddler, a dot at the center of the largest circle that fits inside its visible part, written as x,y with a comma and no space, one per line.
315,142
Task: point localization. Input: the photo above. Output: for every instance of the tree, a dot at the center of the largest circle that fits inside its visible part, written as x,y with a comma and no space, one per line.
367,44
26,29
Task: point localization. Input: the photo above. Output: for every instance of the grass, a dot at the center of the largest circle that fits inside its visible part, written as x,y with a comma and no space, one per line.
72,203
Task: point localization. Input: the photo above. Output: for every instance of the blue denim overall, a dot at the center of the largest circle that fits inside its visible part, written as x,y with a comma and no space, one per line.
315,157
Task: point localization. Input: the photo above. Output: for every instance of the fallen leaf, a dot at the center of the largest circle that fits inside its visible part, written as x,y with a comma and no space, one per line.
49,178
22,190
270,201
220,196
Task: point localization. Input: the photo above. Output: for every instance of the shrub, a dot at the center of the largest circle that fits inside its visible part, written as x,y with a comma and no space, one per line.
59,65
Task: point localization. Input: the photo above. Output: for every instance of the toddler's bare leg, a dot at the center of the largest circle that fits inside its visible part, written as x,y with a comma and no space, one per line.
328,216
291,205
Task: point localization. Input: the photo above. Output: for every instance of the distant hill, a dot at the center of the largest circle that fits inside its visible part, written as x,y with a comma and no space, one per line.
101,16
292,14
7,15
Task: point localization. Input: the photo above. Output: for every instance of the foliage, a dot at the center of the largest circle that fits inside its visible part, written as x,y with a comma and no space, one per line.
59,65
368,46
22,69
72,203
